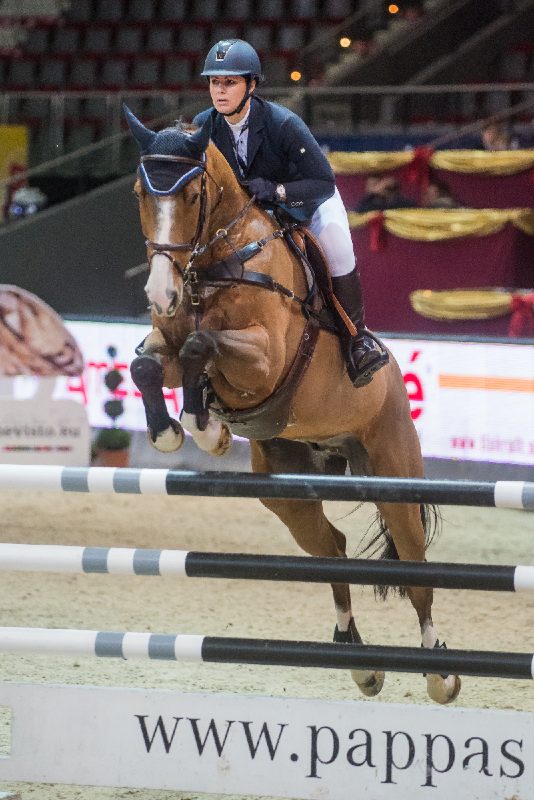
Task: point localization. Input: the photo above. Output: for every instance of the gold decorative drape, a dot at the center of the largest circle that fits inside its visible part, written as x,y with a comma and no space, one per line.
456,304
478,304
477,162
433,225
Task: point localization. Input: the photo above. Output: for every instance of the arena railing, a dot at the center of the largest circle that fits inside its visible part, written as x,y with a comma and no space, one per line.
343,110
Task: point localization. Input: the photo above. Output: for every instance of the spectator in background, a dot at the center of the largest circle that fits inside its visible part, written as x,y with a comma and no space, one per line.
382,192
497,136
438,195
26,202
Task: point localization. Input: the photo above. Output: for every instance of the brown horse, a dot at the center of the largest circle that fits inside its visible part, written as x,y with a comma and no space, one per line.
227,295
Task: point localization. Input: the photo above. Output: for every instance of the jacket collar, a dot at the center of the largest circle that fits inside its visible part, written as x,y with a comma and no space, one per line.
255,126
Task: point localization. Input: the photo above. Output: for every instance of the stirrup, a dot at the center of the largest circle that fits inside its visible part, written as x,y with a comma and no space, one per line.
373,358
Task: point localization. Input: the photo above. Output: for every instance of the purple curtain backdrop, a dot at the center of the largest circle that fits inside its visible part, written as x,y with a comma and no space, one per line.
400,266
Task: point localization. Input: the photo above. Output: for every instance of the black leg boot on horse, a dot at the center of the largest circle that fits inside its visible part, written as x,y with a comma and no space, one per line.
362,352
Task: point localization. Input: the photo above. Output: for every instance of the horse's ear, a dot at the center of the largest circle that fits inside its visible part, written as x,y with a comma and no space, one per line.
143,136
200,139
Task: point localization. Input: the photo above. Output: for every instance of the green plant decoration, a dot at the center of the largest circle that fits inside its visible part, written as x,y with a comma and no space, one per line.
113,438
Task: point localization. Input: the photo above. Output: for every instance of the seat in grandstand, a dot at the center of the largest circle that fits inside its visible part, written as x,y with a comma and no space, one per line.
83,73
141,10
109,10
303,9
191,39
177,72
239,9
38,40
272,9
20,73
97,40
52,73
145,72
65,40
159,39
173,10
129,39
207,10
114,73
79,11
290,37
260,35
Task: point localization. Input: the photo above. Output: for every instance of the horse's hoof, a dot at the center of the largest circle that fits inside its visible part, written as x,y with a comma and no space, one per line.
169,440
370,686
224,442
443,690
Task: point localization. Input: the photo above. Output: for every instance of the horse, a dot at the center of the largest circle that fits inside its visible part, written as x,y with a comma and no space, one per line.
236,324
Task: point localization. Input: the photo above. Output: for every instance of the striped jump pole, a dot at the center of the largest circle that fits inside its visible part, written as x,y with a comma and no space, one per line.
501,494
192,564
266,652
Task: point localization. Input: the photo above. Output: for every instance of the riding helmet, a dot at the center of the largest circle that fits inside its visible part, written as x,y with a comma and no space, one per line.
232,57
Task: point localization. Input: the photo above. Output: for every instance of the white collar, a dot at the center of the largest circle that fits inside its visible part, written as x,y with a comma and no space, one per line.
236,127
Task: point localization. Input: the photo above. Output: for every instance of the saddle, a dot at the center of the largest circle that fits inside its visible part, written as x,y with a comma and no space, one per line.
303,242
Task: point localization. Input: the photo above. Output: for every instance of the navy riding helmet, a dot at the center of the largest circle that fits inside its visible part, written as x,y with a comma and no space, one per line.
232,57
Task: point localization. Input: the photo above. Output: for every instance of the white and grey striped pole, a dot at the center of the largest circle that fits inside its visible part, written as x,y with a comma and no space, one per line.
500,494
267,652
193,564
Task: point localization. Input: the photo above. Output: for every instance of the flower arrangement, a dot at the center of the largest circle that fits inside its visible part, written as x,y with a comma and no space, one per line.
114,438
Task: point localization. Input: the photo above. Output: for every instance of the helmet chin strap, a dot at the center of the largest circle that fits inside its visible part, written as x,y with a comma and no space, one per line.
241,105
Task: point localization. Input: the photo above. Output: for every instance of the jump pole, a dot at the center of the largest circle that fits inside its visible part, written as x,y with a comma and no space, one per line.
244,566
108,480
266,652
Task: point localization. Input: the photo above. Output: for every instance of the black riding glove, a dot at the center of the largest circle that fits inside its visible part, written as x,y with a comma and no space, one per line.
264,190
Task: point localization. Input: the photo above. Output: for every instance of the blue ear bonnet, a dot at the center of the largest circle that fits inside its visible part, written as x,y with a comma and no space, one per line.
161,177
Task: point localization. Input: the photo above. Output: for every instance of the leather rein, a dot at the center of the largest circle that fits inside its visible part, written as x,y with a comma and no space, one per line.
230,270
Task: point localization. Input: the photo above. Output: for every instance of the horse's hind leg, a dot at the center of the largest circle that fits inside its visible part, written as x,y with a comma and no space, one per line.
395,451
315,534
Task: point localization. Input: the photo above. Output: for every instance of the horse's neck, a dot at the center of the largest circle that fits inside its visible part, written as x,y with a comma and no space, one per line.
256,224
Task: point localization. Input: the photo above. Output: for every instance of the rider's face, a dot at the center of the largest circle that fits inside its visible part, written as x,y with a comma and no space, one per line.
227,91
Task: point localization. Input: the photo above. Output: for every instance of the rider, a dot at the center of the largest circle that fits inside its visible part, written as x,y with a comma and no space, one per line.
274,154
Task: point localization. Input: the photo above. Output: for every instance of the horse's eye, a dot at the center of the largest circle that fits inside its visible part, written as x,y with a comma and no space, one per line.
136,194
193,199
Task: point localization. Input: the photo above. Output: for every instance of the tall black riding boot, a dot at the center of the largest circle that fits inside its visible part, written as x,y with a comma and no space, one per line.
362,353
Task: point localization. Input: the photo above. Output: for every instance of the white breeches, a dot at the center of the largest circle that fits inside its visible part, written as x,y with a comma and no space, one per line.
330,225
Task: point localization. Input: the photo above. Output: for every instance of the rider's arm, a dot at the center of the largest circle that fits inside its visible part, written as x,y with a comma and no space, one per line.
315,180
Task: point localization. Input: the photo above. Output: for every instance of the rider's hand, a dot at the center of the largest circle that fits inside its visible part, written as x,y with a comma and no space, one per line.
264,190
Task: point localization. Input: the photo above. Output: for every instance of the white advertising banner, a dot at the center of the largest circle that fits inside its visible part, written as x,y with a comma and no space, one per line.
268,746
472,401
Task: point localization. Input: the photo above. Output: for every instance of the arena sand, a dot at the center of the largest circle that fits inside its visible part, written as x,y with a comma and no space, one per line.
470,620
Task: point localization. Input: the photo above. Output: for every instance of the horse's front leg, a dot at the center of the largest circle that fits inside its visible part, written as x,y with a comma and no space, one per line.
240,366
211,435
164,433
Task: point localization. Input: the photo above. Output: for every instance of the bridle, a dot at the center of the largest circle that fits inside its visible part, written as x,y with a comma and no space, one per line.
166,249
229,270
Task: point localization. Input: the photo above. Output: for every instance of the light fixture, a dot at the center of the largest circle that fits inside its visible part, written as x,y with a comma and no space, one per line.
345,41
295,75
393,8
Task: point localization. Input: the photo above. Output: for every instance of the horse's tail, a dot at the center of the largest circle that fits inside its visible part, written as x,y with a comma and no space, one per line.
382,546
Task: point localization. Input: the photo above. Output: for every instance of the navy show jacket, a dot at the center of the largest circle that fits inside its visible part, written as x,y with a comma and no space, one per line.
281,149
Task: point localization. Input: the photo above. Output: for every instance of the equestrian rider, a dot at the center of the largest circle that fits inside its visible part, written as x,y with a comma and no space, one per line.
274,154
